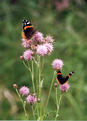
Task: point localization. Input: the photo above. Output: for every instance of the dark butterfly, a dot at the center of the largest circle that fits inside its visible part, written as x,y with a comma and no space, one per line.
28,30
62,80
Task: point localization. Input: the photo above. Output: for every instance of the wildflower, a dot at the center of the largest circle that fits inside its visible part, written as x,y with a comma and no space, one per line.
41,50
15,85
55,84
31,99
57,64
24,90
28,55
26,43
38,37
49,47
64,87
49,39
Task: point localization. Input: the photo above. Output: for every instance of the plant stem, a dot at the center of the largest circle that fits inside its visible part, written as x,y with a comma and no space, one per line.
50,89
23,103
39,77
39,83
32,75
33,111
58,104
26,66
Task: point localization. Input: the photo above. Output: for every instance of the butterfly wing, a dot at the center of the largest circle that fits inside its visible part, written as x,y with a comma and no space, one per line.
60,79
28,30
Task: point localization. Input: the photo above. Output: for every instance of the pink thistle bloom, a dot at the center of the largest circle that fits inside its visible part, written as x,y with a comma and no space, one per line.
57,64
28,55
64,87
24,90
31,99
26,43
49,39
42,50
49,47
38,37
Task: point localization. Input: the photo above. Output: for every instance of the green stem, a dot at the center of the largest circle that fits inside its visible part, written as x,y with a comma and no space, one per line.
39,74
50,90
39,82
23,103
39,77
27,66
32,75
58,104
33,111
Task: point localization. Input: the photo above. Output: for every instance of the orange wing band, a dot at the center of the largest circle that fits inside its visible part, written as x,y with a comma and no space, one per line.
23,35
27,27
69,76
59,73
58,81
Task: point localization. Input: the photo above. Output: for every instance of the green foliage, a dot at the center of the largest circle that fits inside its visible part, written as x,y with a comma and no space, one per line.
69,29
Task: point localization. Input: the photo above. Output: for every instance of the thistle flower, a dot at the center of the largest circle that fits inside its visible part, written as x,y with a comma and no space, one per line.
26,43
64,87
38,37
49,47
31,99
24,90
57,64
49,39
28,55
41,50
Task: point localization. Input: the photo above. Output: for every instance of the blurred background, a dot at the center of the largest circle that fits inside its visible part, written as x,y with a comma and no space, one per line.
66,21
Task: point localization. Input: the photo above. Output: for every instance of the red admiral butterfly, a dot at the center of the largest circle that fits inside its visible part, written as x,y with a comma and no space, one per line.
28,30
62,80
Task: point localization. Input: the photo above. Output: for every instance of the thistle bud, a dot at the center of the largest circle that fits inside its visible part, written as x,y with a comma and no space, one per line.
38,100
15,85
55,84
21,57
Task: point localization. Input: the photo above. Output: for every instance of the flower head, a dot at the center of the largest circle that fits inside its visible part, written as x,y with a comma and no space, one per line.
26,43
28,55
64,87
49,47
49,39
31,99
24,90
41,50
38,37
57,64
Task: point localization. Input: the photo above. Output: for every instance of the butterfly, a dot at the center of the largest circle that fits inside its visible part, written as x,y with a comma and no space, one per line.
28,30
61,79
